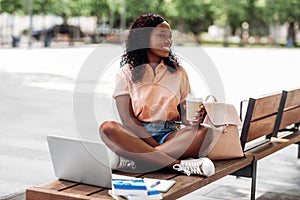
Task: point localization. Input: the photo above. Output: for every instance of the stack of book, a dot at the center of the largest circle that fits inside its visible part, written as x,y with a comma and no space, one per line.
136,188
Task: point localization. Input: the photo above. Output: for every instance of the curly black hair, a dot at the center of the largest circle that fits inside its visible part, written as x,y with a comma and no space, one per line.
137,45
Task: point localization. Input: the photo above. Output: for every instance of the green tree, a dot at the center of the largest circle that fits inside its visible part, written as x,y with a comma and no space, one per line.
135,8
255,15
284,11
194,15
13,6
101,9
229,14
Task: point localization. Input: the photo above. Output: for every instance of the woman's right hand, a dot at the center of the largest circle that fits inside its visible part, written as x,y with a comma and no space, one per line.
199,116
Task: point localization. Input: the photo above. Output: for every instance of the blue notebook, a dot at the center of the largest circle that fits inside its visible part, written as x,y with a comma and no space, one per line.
127,187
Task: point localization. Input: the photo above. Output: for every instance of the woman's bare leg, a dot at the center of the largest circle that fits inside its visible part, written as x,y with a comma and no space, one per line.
124,143
186,142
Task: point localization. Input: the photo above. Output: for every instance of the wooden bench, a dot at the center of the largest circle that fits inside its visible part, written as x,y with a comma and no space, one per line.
184,184
265,116
290,119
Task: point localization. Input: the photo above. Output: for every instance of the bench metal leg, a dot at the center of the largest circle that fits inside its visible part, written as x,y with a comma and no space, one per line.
297,127
253,184
249,172
298,149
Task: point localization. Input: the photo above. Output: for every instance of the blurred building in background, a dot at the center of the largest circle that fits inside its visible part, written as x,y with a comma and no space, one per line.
50,28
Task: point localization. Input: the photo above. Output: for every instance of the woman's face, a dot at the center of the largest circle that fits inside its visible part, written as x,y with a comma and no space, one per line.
160,42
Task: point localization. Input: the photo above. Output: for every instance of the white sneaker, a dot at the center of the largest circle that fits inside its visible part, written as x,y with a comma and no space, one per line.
118,162
201,166
125,163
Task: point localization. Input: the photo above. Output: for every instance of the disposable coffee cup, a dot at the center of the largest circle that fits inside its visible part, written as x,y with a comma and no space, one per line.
193,106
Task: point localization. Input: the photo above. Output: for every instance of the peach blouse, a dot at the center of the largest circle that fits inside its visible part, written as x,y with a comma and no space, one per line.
157,95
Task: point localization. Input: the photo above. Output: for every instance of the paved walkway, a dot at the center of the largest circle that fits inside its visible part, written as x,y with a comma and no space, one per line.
36,88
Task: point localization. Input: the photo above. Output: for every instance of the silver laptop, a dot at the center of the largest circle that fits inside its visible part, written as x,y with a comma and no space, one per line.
81,161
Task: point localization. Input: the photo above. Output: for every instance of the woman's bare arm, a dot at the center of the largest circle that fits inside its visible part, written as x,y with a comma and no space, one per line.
131,122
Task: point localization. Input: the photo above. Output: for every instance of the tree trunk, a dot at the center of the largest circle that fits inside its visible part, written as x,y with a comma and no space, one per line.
197,38
226,35
291,36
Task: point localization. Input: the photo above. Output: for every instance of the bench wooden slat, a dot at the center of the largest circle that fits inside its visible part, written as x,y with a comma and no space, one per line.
37,193
61,188
290,117
261,127
101,194
293,98
59,185
83,189
266,105
291,109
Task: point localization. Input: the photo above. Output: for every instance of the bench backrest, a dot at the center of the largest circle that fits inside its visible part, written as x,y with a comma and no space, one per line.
261,116
291,110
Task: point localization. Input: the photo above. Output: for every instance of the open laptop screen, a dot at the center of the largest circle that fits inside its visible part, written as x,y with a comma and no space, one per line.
80,161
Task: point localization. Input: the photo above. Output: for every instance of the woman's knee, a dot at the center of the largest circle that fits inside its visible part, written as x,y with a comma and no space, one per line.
207,133
107,127
202,133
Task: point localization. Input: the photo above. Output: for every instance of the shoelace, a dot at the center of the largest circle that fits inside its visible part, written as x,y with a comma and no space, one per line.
127,163
180,168
191,167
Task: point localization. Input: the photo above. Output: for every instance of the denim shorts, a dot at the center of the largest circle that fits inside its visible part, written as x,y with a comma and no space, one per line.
160,130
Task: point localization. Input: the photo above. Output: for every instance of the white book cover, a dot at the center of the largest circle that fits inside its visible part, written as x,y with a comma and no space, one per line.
159,184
